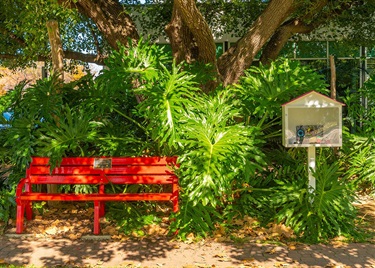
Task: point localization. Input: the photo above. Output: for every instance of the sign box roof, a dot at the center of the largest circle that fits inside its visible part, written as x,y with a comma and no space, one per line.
313,99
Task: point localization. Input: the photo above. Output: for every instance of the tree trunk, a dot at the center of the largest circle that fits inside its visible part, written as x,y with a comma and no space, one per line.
191,38
111,19
240,56
199,28
181,39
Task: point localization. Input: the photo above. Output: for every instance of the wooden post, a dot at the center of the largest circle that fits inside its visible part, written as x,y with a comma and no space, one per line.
56,48
333,86
333,76
58,68
311,165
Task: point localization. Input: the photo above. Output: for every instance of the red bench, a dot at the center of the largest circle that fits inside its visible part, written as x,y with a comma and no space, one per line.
100,172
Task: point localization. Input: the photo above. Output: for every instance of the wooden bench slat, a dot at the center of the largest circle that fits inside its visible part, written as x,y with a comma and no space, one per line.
108,179
65,179
141,170
45,170
131,170
97,197
81,161
141,179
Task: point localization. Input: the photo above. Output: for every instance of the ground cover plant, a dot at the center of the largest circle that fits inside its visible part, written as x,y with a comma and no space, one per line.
232,164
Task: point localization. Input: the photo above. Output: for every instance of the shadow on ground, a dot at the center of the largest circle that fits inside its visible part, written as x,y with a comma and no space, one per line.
165,253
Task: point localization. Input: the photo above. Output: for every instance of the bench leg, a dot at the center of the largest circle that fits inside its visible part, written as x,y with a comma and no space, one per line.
29,211
101,204
175,195
175,205
19,219
96,217
101,209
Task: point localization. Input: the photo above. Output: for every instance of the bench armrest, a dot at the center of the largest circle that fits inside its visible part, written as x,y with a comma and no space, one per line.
21,186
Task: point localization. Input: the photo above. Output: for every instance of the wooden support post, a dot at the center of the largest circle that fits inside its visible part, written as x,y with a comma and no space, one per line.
333,76
56,47
333,87
311,155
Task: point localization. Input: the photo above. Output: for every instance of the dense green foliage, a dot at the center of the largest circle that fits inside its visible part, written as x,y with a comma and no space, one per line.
231,160
359,152
263,89
325,213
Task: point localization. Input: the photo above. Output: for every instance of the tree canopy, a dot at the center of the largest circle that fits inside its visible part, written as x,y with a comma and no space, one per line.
90,29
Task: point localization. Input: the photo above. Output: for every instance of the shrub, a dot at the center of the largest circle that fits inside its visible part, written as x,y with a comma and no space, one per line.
358,154
320,215
264,89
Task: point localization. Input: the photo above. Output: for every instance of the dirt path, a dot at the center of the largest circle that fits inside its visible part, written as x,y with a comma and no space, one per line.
62,238
74,220
366,214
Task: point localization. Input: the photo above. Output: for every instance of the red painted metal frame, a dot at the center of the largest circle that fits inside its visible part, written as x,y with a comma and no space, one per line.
80,170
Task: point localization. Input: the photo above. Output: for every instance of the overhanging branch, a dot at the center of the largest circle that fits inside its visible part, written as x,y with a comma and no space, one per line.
89,58
70,55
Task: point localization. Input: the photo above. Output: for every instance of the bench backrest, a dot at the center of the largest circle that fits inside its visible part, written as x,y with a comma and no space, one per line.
103,170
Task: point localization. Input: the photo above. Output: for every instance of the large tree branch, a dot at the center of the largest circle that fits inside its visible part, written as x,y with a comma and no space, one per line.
181,39
70,55
96,41
191,38
240,56
298,25
272,50
12,36
89,58
14,57
110,18
198,26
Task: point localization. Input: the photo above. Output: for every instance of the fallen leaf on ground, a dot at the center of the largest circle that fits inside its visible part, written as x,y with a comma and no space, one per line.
73,236
110,230
271,251
332,265
3,262
201,265
280,230
51,230
222,257
190,238
38,217
339,244
281,264
128,264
